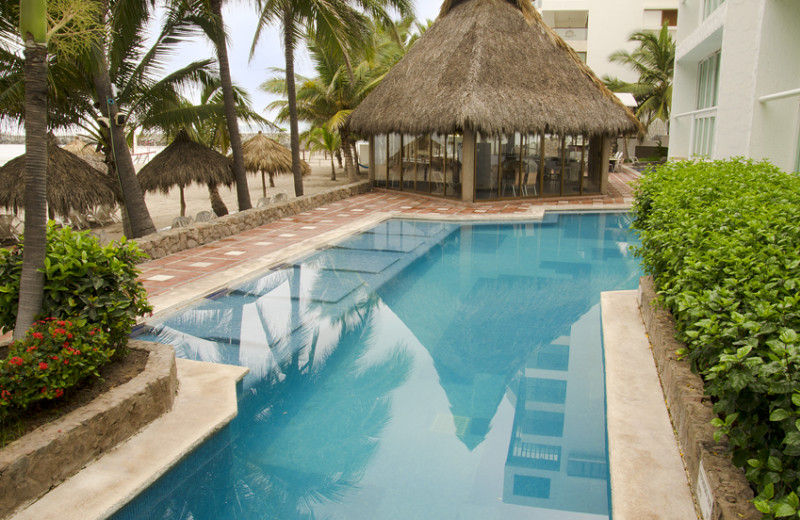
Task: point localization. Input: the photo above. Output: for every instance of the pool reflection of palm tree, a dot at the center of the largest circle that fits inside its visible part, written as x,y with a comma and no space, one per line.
321,424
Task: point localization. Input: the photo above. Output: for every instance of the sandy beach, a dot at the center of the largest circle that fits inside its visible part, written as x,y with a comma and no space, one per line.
165,208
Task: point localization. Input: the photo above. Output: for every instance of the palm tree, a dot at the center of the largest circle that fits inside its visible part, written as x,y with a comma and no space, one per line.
322,139
334,24
33,29
206,123
654,61
329,98
207,15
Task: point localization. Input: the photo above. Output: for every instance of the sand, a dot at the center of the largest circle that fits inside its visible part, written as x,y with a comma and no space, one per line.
165,208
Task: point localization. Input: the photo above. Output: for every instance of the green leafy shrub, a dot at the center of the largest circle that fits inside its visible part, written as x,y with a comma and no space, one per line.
722,242
54,356
83,281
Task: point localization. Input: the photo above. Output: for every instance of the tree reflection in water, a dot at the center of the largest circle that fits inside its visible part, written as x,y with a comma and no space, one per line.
310,372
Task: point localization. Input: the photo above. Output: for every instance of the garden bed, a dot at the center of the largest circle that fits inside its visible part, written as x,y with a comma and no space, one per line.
41,459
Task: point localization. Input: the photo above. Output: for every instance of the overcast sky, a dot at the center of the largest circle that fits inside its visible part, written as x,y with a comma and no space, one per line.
240,21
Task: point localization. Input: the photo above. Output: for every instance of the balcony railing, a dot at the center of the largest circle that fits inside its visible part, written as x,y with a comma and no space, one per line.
571,33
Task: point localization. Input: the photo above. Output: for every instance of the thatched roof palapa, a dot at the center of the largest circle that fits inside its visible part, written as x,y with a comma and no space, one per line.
495,67
72,184
183,162
87,152
269,156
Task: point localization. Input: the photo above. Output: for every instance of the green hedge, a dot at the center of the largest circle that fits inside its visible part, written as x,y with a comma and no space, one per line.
722,242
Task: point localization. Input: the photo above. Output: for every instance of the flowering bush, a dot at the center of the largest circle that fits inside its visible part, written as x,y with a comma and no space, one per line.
83,279
54,356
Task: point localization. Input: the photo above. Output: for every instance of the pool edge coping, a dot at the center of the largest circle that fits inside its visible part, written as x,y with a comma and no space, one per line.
647,476
107,484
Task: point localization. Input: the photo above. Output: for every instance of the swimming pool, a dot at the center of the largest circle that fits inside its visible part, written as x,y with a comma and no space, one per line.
417,370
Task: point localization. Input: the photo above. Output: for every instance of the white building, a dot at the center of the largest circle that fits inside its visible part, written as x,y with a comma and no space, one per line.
597,28
737,81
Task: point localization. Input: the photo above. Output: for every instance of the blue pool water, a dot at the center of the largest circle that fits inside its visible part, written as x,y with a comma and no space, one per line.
418,370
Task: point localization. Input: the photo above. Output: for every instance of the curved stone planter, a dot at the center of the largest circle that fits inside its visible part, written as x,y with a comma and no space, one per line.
33,464
720,489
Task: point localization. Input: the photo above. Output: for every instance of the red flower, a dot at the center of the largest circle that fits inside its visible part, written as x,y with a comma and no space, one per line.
31,348
54,358
59,331
38,335
66,361
77,352
44,390
92,332
5,394
42,366
66,346
69,335
59,393
61,323
16,360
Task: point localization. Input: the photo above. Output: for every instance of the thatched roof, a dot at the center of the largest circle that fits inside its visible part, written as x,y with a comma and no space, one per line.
72,184
269,156
183,162
493,66
88,153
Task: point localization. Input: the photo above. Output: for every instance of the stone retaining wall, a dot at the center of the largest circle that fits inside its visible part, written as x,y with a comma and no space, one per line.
165,243
720,489
33,464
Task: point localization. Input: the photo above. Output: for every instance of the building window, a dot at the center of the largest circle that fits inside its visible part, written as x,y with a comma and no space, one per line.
709,6
582,56
670,16
707,94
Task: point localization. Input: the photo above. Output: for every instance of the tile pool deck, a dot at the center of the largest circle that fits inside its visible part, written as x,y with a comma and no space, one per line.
180,278
190,274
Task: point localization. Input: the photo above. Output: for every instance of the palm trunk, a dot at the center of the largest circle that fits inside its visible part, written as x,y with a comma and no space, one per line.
217,204
352,175
288,44
239,174
31,286
140,222
333,169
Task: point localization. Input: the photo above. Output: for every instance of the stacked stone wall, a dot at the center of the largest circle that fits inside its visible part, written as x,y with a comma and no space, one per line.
173,241
42,459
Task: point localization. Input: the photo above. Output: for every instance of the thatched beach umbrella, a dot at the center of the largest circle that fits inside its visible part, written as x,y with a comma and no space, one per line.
72,184
492,66
268,156
182,163
88,153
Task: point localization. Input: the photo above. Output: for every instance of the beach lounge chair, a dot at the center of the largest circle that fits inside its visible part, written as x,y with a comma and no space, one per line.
180,222
104,215
78,221
8,228
614,162
264,201
281,197
204,216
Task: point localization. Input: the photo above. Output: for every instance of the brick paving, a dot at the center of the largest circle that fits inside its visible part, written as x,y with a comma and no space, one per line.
187,268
